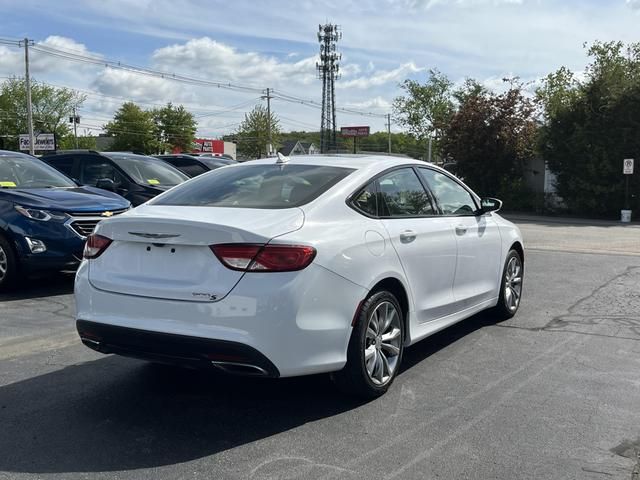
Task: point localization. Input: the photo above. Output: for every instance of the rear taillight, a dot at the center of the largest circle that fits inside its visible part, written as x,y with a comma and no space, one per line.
264,258
96,244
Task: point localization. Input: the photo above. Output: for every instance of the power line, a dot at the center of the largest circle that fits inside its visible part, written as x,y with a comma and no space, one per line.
70,55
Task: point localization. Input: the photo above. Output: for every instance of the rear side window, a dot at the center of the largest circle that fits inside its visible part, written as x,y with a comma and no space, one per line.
256,186
367,200
64,164
188,166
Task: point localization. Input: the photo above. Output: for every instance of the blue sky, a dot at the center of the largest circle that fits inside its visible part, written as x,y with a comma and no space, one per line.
272,44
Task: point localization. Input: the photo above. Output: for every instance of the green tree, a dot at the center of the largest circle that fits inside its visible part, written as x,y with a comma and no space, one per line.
425,109
84,142
591,126
175,128
133,129
253,133
51,108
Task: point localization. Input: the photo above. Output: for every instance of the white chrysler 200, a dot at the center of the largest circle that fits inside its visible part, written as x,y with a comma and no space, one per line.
284,267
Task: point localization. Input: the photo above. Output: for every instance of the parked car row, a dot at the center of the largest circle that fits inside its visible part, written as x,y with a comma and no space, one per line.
49,205
275,268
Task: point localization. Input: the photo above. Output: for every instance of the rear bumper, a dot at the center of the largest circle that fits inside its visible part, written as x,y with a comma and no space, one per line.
183,350
299,321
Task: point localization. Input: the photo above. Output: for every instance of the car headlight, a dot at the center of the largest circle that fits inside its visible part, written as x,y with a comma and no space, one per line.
40,215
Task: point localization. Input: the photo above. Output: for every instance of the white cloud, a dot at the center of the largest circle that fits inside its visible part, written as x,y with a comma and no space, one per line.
216,60
377,103
460,3
42,65
634,4
382,77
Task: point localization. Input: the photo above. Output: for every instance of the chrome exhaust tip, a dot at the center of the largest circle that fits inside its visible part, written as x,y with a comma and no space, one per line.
237,368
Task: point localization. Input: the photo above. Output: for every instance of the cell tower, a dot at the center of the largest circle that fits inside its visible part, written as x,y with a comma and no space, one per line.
328,69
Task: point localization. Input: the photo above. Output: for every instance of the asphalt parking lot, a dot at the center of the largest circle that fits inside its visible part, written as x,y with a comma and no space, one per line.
552,394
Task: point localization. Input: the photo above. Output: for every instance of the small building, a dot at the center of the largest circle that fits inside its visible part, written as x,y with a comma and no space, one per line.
296,147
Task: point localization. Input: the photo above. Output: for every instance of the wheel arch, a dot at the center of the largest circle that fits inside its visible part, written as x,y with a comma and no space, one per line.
517,246
395,286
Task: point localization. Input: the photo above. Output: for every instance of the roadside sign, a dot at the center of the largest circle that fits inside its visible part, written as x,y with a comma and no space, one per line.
354,131
44,141
627,166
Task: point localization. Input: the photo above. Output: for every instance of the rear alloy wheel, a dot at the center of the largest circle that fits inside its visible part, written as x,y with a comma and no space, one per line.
8,265
511,286
375,349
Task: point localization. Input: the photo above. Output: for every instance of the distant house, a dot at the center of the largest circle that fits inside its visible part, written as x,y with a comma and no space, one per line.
296,147
309,148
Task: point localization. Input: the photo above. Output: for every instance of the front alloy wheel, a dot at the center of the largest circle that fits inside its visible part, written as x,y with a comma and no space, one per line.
375,348
510,287
513,284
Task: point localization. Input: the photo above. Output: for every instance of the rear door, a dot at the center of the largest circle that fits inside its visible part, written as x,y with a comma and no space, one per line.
423,240
478,239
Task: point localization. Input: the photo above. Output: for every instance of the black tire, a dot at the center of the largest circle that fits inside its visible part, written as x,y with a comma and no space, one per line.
8,262
354,378
505,309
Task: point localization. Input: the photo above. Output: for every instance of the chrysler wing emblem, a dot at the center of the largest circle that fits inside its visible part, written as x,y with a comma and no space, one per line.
154,235
106,214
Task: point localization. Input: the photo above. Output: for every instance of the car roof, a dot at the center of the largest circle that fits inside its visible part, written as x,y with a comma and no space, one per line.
10,153
355,161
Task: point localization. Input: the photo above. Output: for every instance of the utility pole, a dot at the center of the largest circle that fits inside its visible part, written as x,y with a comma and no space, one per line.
75,126
429,155
389,130
28,42
270,144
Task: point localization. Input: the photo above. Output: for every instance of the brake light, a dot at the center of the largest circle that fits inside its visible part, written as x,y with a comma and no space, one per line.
95,245
264,258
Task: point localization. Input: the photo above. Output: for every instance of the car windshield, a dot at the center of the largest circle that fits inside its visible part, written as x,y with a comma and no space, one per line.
21,171
256,186
148,171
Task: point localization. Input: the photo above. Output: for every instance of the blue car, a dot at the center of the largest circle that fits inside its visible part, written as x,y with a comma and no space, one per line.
45,217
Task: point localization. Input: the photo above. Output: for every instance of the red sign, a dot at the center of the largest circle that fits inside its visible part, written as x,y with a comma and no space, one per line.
204,145
354,131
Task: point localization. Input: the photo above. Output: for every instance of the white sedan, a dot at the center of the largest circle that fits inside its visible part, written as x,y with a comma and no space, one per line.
284,267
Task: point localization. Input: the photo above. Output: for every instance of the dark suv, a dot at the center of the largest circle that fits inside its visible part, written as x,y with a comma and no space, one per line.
194,166
137,178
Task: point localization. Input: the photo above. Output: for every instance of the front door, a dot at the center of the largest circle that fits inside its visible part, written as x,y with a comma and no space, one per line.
478,238
423,240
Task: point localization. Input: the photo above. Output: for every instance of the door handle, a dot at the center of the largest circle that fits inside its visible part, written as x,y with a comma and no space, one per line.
461,230
407,236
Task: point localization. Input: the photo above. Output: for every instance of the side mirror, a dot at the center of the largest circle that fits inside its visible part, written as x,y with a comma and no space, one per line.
490,205
106,184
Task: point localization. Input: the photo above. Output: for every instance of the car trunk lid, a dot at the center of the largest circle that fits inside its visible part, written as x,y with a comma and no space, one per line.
163,252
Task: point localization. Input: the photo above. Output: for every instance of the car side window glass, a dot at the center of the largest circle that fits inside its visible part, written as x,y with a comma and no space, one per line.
191,168
367,200
451,196
94,169
403,194
64,164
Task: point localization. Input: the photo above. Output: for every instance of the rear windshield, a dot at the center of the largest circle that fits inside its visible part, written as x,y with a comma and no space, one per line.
147,170
256,186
